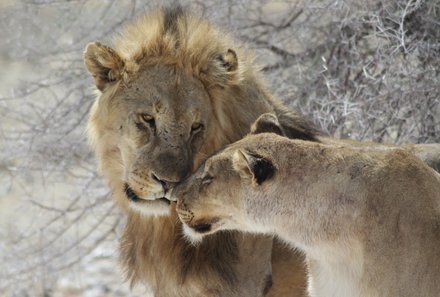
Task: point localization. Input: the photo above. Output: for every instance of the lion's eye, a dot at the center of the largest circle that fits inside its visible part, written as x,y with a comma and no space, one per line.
207,179
196,127
148,119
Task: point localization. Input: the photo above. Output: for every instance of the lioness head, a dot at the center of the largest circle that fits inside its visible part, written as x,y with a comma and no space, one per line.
217,195
160,109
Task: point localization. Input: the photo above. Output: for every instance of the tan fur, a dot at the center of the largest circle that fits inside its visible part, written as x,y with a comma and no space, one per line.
181,71
367,218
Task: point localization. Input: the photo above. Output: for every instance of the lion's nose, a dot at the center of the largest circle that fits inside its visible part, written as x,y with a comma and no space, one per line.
166,185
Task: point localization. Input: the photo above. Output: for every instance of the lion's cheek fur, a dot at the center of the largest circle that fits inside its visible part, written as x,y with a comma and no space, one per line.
110,163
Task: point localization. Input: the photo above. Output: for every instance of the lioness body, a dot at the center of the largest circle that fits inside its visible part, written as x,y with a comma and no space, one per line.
367,219
173,91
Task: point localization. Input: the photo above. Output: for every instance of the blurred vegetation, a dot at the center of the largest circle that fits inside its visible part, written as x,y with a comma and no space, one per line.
358,69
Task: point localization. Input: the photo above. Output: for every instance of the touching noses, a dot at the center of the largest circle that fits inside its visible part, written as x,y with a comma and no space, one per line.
166,185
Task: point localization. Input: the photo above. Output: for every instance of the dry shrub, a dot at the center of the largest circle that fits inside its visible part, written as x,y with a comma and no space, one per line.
360,69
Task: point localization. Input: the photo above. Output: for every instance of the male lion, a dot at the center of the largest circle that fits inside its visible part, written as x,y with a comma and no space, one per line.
367,219
172,91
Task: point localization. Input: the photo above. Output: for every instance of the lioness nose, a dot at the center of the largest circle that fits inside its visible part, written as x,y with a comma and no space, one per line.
166,185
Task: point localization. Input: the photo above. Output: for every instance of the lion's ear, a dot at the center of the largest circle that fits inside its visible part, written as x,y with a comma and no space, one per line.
252,166
229,60
267,123
104,64
222,70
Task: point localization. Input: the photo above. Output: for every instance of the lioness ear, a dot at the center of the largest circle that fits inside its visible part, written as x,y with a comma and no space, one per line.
249,165
267,123
103,63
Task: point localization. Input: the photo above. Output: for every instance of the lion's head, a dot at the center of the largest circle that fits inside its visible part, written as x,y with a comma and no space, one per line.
171,92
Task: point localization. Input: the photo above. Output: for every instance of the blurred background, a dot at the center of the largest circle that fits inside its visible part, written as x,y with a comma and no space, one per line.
364,69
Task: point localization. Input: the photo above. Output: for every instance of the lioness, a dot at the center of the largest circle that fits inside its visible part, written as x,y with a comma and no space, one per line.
171,91
368,220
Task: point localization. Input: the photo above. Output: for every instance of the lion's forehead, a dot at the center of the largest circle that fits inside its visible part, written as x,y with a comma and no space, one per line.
176,95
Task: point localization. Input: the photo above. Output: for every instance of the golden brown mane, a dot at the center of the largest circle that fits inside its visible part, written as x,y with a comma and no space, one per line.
172,36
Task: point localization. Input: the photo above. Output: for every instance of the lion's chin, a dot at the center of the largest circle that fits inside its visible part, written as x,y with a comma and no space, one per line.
155,205
158,207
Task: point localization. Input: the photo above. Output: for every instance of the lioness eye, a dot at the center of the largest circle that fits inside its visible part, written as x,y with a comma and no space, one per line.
196,127
207,179
148,119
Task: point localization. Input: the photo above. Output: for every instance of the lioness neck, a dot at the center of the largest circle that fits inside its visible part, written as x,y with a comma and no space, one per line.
335,269
319,196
